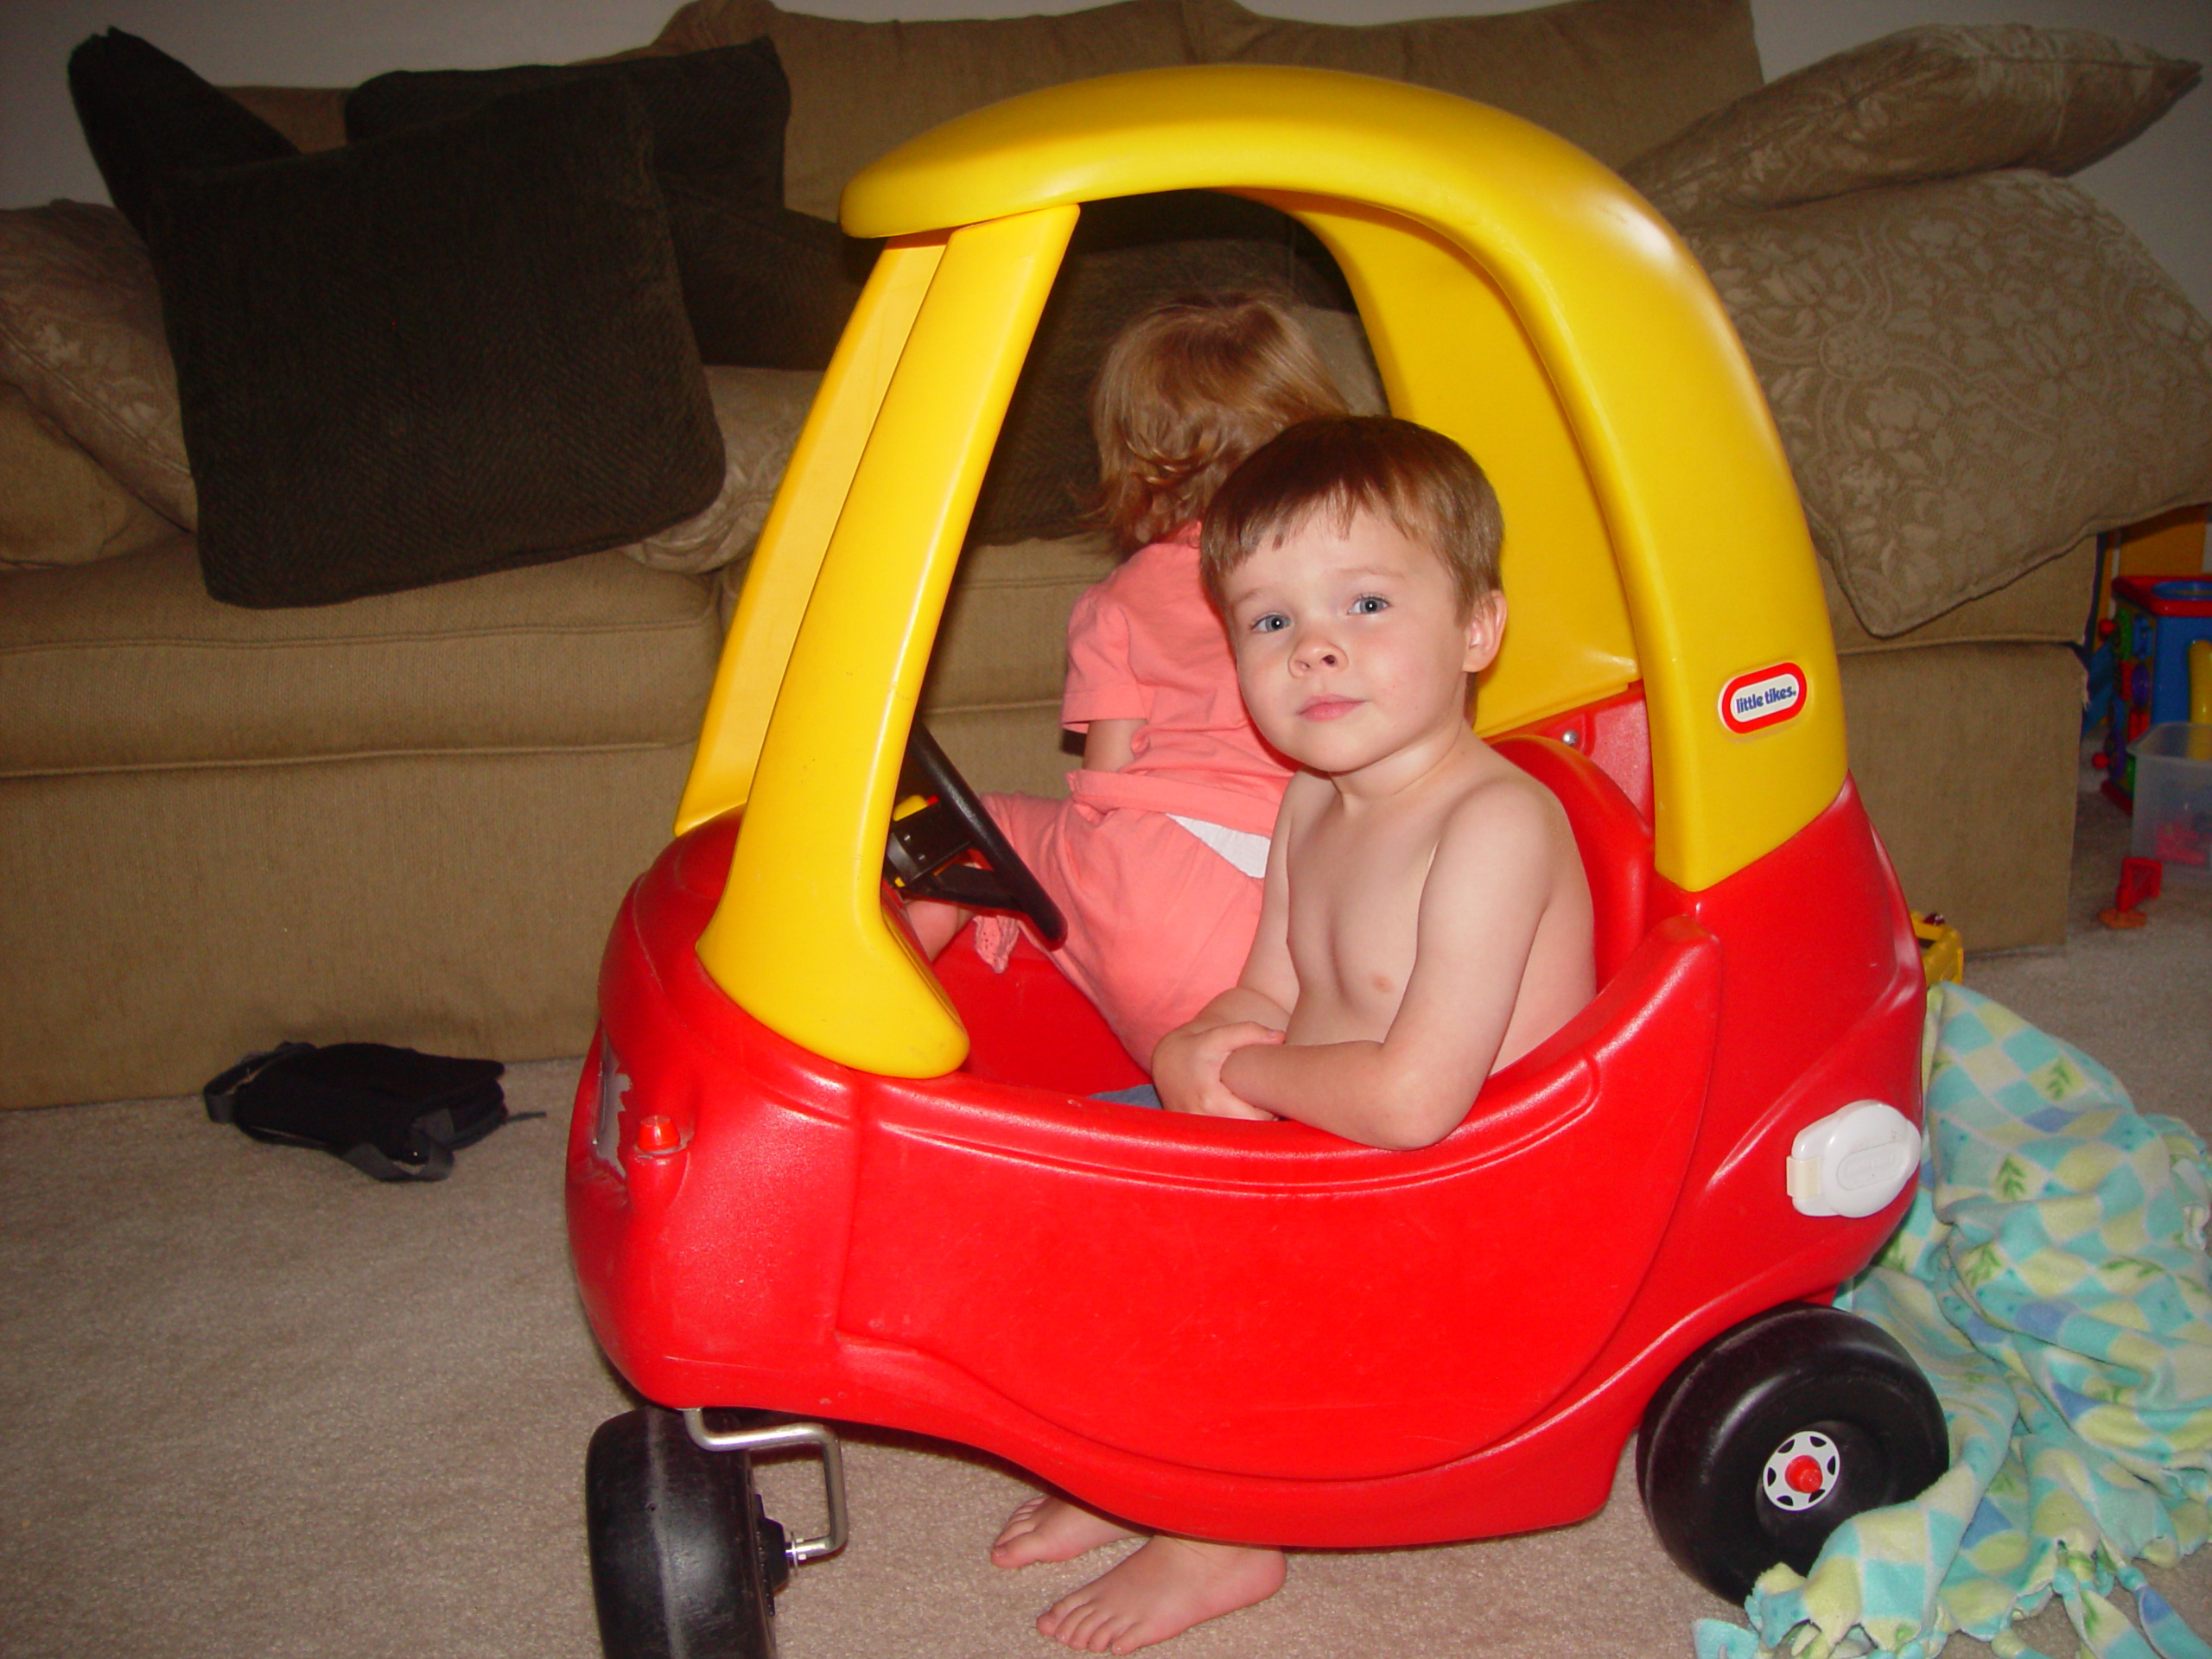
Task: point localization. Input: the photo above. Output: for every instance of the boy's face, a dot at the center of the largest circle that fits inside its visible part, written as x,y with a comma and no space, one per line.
1349,645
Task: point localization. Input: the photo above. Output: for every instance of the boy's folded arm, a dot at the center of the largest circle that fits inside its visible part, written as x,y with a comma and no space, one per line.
1362,1090
1186,1065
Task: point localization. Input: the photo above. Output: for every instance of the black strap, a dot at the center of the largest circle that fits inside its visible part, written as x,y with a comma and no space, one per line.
221,1095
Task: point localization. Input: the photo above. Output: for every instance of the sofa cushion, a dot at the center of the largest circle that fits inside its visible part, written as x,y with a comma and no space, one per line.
859,89
1969,376
144,114
80,333
1966,756
717,117
60,506
454,349
126,665
1614,76
1928,103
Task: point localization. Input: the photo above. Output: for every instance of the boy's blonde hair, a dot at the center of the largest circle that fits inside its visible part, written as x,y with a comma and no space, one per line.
1185,393
1421,481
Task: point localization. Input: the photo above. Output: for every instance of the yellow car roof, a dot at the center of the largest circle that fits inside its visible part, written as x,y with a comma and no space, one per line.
1516,295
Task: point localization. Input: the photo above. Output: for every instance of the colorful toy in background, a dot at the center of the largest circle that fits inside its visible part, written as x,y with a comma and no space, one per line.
2153,625
2171,544
1943,948
2150,680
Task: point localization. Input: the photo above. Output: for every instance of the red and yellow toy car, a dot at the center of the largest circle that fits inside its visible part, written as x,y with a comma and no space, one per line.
808,1175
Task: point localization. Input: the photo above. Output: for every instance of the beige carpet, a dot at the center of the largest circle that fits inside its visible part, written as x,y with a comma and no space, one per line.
252,1404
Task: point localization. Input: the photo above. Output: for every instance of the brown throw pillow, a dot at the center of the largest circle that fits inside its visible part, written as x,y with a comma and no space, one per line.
717,117
1969,376
766,288
1930,103
145,114
453,350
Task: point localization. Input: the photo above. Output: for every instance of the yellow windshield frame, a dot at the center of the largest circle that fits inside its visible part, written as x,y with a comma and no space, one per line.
1517,297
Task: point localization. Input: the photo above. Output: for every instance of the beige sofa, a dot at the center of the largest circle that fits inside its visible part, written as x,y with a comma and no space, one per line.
409,817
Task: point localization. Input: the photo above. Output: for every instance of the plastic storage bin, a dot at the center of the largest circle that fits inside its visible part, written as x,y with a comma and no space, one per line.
2173,799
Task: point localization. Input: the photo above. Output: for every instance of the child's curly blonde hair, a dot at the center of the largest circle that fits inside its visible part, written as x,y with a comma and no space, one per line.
1186,391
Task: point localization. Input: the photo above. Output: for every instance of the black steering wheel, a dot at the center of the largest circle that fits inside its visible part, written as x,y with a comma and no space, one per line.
925,855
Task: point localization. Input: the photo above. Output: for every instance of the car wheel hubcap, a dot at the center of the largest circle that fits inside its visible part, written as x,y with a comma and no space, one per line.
1801,1471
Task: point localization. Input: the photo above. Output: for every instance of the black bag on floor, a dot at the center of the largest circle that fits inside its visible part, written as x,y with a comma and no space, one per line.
392,1113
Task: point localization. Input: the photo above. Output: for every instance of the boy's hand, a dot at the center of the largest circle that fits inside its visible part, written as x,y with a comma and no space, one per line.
1187,1068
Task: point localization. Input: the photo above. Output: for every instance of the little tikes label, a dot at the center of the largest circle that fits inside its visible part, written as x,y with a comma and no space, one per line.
1764,697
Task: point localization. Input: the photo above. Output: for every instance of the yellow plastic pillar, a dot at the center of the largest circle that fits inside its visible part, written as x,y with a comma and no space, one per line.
795,536
799,938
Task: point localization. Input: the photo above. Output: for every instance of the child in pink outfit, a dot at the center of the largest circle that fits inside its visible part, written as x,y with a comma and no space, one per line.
1156,855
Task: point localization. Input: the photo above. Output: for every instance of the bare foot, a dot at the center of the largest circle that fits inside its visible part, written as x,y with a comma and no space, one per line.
1052,1529
1161,1591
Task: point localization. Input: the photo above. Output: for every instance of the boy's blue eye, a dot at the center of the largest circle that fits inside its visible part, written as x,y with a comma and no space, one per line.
1370,605
1273,622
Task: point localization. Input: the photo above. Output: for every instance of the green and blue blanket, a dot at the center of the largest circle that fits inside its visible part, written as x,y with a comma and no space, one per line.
2052,1279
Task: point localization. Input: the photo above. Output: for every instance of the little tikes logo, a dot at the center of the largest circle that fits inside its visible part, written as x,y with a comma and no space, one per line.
1764,697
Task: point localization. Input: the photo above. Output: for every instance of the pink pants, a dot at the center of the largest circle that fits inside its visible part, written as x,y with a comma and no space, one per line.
1159,923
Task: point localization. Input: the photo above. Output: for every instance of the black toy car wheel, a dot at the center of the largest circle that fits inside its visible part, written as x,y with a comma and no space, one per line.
1775,1433
684,1564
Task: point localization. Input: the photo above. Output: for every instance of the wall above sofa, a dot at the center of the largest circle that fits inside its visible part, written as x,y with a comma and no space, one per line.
2158,185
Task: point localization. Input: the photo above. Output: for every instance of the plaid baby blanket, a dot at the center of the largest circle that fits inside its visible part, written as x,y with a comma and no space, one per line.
2050,1278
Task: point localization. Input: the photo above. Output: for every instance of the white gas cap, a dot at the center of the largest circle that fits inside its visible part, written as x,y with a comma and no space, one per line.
1854,1161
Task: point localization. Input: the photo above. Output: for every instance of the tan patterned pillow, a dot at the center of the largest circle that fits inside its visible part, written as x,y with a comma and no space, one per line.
60,506
759,411
80,332
1614,76
860,89
1932,103
1969,376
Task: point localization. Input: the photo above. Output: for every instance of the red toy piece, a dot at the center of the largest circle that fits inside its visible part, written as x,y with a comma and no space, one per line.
2139,882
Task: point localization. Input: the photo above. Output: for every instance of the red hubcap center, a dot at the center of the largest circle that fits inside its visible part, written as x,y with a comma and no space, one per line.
1803,1475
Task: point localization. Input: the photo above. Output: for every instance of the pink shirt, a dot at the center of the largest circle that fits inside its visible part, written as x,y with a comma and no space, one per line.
1145,645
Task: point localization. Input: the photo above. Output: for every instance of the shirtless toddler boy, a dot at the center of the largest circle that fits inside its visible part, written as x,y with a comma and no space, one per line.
1425,918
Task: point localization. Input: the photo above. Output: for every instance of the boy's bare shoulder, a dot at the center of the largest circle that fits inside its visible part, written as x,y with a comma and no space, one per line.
1507,811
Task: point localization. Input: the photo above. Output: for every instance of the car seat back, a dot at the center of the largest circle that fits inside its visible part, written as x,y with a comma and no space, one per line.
1609,833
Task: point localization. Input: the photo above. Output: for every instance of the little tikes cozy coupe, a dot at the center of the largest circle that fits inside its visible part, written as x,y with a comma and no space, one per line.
808,1175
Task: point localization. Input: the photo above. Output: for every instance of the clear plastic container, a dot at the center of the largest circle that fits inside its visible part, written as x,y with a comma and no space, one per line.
2173,799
